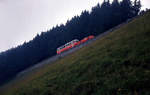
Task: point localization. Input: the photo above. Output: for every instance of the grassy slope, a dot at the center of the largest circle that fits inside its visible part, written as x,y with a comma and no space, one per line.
117,64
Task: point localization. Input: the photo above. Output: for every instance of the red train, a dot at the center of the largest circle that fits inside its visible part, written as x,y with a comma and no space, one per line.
72,44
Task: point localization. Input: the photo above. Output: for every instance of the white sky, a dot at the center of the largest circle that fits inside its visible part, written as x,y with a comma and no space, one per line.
21,20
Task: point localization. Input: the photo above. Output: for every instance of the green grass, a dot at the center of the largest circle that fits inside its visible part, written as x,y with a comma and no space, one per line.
117,64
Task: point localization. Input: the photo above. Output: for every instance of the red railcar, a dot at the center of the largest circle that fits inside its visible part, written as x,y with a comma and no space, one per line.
87,38
72,44
68,45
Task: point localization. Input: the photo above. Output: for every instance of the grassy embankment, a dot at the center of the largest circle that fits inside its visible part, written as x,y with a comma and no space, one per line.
117,64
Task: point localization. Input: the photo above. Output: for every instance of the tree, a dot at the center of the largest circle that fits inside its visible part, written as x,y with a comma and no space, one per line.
126,9
136,7
116,12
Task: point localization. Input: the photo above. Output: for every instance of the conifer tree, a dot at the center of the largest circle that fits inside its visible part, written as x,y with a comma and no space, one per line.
136,7
126,9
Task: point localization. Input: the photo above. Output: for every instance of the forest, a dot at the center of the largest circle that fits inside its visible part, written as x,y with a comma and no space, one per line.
101,18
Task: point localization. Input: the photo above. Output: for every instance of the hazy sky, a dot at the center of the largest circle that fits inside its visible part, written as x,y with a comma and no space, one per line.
21,20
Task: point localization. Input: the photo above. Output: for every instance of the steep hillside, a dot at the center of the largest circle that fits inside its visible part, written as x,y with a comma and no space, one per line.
117,64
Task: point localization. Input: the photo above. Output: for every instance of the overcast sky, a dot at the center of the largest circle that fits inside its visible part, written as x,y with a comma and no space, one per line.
21,20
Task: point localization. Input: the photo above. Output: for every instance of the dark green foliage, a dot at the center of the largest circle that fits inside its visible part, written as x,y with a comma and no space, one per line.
137,7
101,18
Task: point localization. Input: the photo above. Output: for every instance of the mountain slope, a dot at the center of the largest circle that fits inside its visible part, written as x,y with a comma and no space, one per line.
117,64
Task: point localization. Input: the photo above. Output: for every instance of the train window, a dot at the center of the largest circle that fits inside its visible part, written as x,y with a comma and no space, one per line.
58,49
71,42
76,40
67,44
61,47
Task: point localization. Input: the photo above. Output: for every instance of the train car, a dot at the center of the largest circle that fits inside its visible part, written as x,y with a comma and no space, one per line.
90,37
72,44
68,46
86,39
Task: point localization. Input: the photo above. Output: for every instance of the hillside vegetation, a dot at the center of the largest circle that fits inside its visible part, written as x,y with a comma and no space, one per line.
117,64
101,18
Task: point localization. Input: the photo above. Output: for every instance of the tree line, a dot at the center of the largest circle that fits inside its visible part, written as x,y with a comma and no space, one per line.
101,18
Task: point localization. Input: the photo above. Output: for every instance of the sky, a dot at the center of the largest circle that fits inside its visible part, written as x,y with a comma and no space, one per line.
22,20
